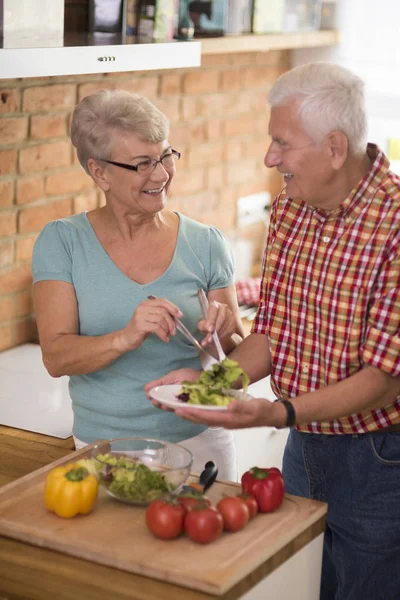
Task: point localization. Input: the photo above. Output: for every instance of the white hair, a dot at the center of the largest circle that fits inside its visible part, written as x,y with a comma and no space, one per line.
330,98
99,116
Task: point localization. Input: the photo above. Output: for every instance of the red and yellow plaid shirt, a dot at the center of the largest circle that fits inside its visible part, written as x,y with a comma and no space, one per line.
330,293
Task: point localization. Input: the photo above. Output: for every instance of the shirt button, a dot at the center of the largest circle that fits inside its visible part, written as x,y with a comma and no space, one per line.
326,239
314,282
310,327
305,369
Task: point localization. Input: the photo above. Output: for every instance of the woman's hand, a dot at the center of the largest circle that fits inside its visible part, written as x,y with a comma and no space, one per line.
170,379
221,319
151,316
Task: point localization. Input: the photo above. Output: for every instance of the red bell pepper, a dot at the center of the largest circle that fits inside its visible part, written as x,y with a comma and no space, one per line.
266,485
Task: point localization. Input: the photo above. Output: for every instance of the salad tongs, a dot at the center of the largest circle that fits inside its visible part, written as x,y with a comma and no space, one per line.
207,361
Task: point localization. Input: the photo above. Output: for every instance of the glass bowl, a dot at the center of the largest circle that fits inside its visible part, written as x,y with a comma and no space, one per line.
139,470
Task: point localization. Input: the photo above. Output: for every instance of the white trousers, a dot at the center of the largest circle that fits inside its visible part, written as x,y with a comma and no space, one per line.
216,444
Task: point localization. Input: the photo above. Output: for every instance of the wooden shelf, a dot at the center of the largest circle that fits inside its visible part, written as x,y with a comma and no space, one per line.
271,41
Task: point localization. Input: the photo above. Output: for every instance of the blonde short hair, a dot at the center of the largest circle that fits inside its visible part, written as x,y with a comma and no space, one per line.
330,98
99,116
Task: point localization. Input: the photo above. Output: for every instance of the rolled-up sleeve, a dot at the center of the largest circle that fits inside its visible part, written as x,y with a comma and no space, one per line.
382,342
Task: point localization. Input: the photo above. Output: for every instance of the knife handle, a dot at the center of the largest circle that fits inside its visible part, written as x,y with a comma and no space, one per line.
209,475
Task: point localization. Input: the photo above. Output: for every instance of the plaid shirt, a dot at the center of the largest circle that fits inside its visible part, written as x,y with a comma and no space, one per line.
330,293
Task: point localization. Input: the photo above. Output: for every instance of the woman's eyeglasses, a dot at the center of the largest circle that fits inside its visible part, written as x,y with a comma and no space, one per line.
147,166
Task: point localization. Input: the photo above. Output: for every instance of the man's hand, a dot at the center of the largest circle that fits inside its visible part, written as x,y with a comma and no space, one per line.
240,414
171,378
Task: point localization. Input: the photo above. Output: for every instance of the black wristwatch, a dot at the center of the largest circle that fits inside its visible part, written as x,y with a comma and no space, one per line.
291,413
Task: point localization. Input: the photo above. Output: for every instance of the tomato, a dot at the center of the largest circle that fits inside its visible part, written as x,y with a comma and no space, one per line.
165,519
251,504
234,513
190,502
204,525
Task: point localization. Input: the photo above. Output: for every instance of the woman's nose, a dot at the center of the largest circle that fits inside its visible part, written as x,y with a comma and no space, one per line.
159,172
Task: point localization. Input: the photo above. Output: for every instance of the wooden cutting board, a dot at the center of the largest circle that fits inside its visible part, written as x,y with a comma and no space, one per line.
115,534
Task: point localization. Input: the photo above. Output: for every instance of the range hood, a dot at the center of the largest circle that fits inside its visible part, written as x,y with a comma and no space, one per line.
79,60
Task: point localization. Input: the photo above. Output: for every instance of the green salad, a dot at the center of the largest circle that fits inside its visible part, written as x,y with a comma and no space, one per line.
214,386
131,480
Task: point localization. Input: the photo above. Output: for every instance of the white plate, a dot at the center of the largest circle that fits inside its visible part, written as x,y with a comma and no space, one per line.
167,394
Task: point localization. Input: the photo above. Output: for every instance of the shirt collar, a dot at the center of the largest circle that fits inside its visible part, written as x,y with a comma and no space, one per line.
360,195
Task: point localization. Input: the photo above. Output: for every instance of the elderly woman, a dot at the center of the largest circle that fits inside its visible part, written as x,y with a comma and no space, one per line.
93,273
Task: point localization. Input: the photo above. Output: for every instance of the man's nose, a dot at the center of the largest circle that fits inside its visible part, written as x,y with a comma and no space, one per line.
272,158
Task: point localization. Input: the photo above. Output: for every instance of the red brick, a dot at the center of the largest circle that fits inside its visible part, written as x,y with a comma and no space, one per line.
170,106
231,80
23,303
243,172
24,330
9,100
201,82
242,58
189,107
6,193
170,84
5,337
188,182
8,161
260,76
206,154
234,151
13,130
223,220
24,248
274,58
45,156
15,279
239,125
214,129
146,86
6,253
67,182
215,60
185,134
6,308
215,177
255,148
197,204
212,105
49,97
84,202
34,219
228,199
48,126
8,223
29,189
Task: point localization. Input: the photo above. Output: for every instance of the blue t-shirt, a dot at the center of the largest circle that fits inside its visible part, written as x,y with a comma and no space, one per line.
111,402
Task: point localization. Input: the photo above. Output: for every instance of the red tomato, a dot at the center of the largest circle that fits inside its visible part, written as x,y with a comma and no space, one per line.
234,512
204,525
165,519
251,504
190,502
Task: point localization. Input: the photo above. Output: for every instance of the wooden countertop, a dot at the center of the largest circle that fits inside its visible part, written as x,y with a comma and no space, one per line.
29,572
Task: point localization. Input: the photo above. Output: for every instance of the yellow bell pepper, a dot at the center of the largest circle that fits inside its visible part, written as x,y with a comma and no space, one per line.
70,490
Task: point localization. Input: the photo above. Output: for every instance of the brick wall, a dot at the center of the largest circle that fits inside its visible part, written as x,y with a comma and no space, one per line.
219,122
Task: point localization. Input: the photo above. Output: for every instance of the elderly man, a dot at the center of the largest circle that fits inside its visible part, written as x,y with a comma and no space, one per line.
327,328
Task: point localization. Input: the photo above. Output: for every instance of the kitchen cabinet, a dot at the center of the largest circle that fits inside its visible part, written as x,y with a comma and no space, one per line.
78,59
28,571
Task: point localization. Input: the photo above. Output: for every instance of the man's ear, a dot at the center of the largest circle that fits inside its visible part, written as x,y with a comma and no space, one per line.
338,148
98,174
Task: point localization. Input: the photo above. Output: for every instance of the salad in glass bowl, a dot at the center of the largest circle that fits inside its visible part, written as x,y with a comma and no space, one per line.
139,470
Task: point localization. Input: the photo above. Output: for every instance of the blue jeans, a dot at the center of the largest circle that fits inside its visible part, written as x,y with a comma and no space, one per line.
359,477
